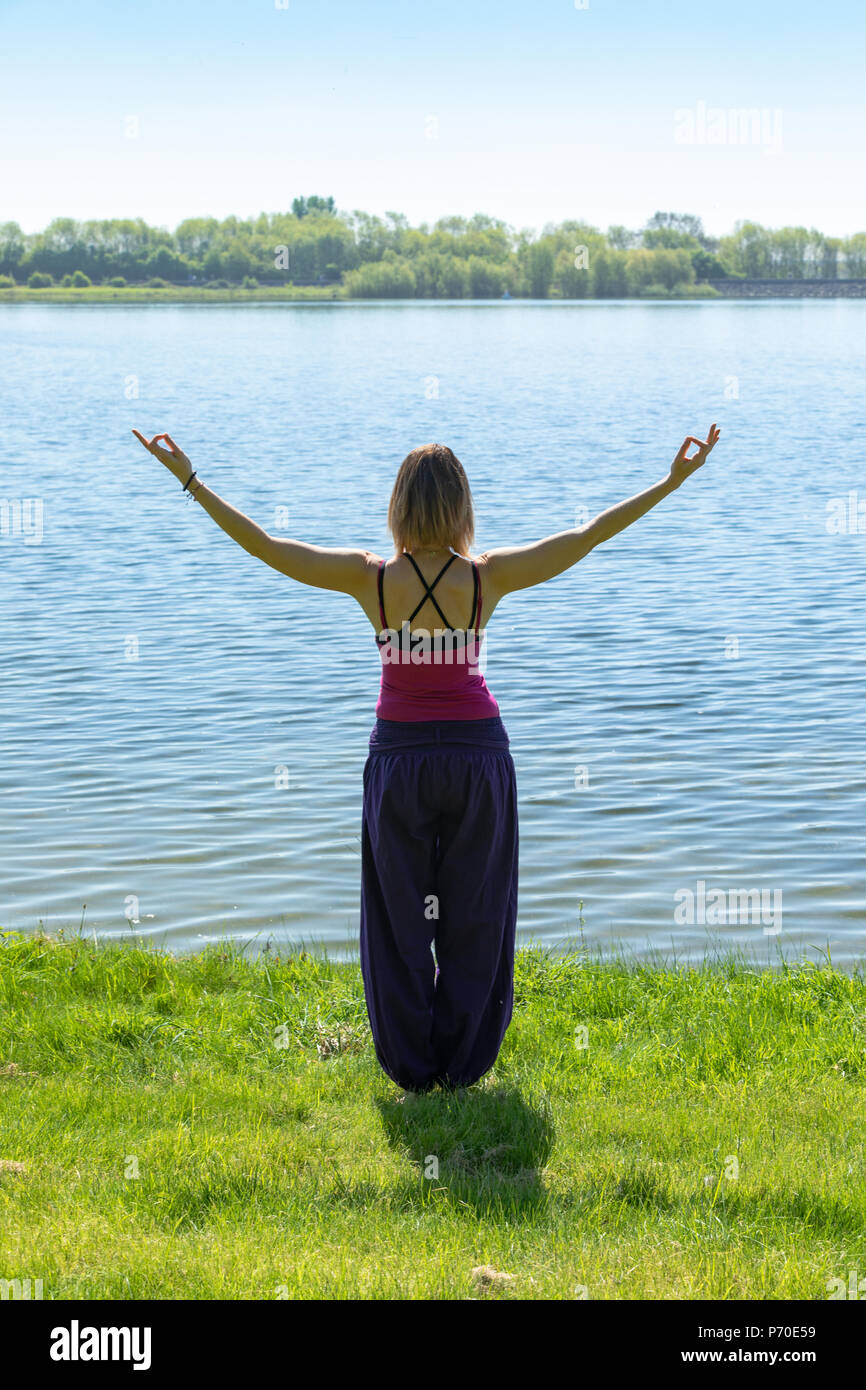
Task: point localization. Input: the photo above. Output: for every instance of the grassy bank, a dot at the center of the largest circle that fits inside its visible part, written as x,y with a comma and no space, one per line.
172,294
178,294
211,1127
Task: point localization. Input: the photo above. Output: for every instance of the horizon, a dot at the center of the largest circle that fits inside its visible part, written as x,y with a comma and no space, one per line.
537,230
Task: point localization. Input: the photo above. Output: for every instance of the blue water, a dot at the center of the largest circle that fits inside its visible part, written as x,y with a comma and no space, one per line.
184,730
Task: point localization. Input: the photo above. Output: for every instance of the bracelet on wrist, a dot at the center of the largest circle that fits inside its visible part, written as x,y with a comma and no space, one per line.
190,487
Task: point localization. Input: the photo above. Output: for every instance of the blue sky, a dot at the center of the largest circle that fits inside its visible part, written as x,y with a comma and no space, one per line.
532,112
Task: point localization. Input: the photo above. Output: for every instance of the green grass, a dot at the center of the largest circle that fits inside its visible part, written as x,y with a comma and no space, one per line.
175,294
275,1159
139,294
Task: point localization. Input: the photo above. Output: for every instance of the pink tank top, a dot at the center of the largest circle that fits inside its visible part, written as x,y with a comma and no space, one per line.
433,675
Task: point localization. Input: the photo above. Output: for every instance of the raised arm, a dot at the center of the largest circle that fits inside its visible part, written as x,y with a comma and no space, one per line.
320,566
519,567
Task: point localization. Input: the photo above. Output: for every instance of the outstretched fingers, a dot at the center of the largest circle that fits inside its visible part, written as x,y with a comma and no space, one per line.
148,443
712,437
686,463
705,445
152,445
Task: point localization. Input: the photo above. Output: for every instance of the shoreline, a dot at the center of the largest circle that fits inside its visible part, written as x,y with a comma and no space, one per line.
331,294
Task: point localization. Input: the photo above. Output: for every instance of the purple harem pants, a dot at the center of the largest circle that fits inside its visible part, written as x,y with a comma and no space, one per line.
438,866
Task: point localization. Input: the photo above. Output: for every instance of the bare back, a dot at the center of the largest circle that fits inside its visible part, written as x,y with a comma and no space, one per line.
403,590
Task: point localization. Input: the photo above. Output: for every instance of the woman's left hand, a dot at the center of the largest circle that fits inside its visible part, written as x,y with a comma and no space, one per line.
174,458
683,466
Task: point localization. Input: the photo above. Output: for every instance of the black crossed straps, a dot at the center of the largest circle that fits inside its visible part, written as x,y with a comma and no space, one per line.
428,591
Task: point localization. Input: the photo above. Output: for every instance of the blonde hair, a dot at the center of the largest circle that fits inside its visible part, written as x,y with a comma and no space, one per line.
431,504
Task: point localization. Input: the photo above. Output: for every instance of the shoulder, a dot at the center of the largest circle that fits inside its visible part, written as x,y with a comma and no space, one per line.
371,566
372,563
488,579
485,564
360,569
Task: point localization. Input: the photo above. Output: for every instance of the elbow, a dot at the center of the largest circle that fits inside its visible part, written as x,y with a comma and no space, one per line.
260,545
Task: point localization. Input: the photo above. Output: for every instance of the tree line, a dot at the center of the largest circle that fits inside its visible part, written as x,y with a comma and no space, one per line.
368,256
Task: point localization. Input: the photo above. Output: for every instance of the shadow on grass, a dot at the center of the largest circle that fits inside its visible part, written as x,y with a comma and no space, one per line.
483,1148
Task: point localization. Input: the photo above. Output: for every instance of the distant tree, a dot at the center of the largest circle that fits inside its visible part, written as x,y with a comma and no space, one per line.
640,269
60,244
475,236
539,269
370,234
80,280
673,267
684,223
609,274
302,207
389,279
165,264
486,279
236,261
707,267
829,257
788,253
570,279
398,223
40,280
193,237
662,267
853,256
211,264
669,239
622,239
13,247
454,278
747,251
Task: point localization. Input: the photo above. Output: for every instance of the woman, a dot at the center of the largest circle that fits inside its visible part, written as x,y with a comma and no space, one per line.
439,828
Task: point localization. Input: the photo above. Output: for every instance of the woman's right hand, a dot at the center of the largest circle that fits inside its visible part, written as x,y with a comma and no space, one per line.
682,465
174,458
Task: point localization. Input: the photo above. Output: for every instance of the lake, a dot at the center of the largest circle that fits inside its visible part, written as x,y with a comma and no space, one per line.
184,729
